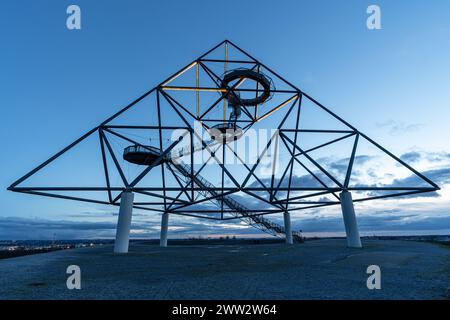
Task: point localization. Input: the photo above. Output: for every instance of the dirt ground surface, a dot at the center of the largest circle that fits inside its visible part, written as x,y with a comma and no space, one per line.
321,269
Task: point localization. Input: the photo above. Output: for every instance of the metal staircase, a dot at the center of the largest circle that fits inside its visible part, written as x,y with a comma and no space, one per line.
185,151
239,210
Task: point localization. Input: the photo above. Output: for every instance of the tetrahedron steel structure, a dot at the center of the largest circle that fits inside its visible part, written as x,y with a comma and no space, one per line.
151,147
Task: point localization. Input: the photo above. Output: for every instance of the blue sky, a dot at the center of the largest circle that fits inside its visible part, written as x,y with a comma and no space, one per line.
393,84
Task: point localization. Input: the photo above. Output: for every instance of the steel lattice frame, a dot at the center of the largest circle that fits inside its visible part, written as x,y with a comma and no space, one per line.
188,189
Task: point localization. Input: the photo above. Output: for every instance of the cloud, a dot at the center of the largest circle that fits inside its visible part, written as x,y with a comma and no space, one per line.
377,221
411,157
439,176
146,225
396,128
437,156
27,228
14,228
427,157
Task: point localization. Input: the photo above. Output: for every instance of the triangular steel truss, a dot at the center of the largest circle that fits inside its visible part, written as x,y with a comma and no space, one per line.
276,194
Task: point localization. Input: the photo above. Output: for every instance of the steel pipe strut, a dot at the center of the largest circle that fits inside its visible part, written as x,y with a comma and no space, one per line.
351,227
287,228
164,229
124,222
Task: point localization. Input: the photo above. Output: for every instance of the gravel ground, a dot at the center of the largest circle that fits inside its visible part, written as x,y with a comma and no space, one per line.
322,269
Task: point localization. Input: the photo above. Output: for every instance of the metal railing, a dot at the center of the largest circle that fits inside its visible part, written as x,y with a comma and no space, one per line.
141,148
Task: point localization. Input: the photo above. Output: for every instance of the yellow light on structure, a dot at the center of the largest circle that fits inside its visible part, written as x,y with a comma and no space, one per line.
239,83
225,67
180,73
174,88
204,125
276,108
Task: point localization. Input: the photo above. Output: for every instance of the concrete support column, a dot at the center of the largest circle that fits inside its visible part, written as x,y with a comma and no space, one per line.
164,228
287,228
124,222
351,227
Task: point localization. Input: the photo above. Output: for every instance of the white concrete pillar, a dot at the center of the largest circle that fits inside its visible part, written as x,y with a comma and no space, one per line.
164,228
351,227
124,222
287,228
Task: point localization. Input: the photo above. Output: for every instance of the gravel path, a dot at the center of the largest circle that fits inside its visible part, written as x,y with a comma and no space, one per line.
322,269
